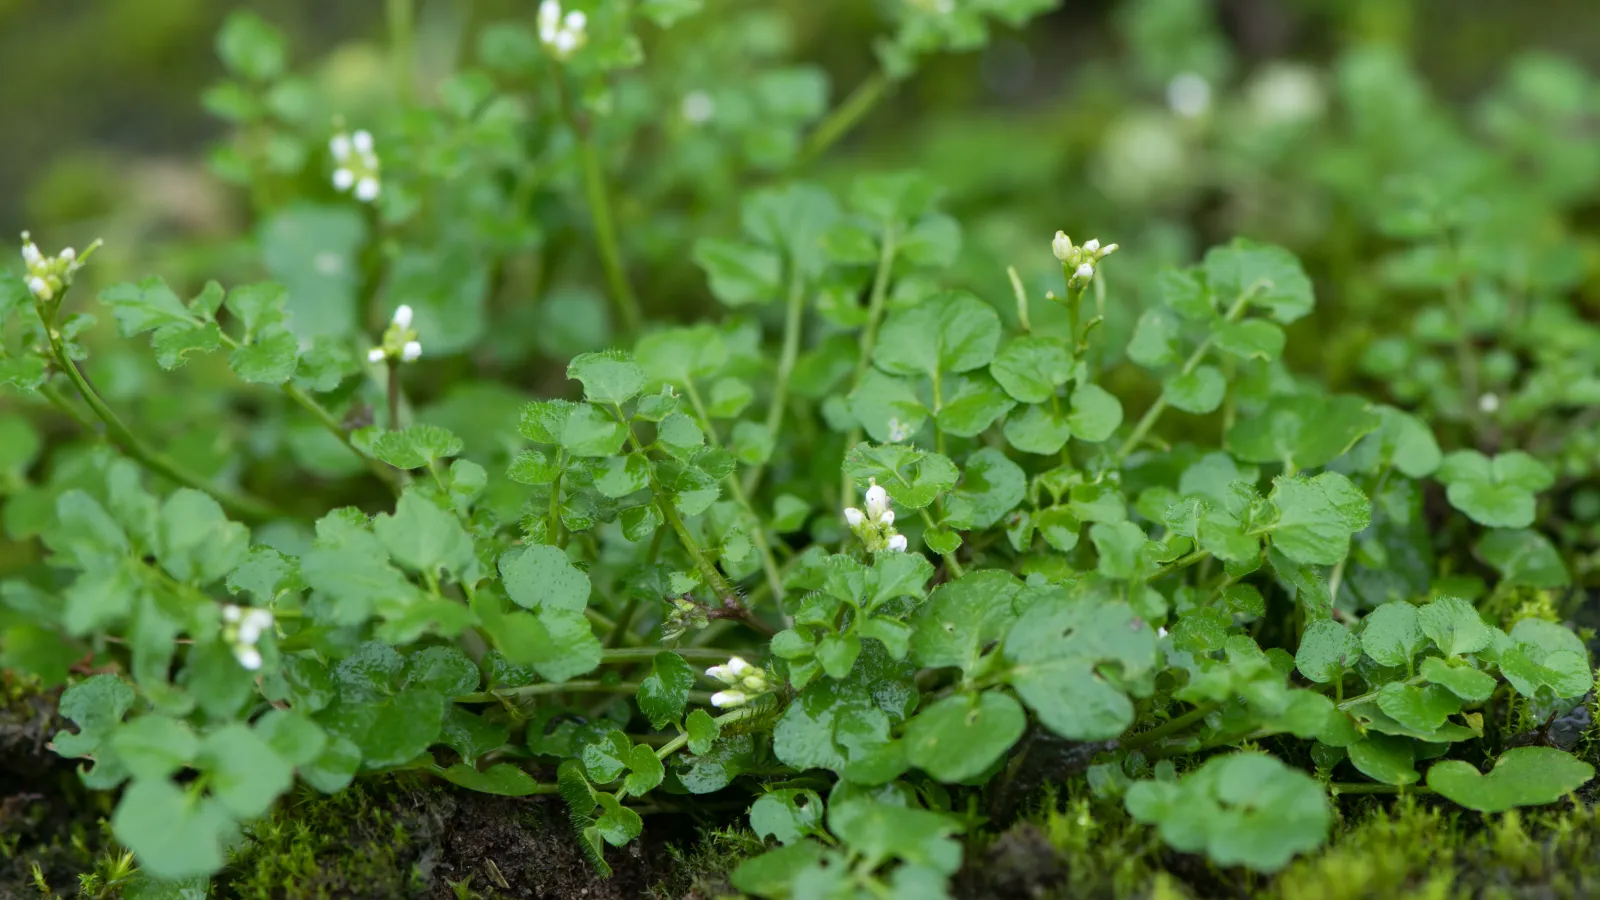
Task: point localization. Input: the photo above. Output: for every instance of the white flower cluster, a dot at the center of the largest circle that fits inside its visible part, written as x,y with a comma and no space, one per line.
1082,260
399,342
357,165
48,276
242,628
875,527
562,34
744,681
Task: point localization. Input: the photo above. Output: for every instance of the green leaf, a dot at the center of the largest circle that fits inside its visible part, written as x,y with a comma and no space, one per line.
250,47
154,746
424,538
795,217
619,824
773,873
665,691
1524,557
147,306
246,774
959,737
788,814
953,332
1391,634
173,834
702,730
991,486
1385,759
1075,659
963,618
1316,517
1096,413
1242,809
623,475
915,837
503,779
1249,339
1039,429
1454,626
1268,276
1422,708
1498,493
1403,441
591,431
644,771
541,577
1155,341
609,377
971,404
1031,368
1464,681
1523,776
1199,391
1117,546
197,543
1326,649
415,447
741,274
912,477
296,739
1305,431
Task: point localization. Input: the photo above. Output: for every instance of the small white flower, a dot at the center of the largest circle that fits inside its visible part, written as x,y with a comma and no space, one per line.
877,502
1189,95
249,632
728,699
376,355
1161,632
411,352
1061,246
1091,245
1085,271
68,255
339,146
698,107
262,618
549,15
898,543
343,179
232,613
1489,404
39,288
575,21
565,42
738,666
1106,251
887,519
362,141
402,315
249,657
367,189
31,254
853,516
722,674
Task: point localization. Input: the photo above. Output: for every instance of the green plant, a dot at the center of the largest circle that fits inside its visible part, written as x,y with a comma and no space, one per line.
835,553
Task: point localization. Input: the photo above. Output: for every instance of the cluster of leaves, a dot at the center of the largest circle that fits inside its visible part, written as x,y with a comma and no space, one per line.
519,596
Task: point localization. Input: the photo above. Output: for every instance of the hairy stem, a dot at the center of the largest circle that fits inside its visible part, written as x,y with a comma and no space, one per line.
869,340
1170,727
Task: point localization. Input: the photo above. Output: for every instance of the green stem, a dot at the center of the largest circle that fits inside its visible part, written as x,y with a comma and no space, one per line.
1358,699
1180,563
241,504
677,743
793,321
646,654
845,116
594,188
402,42
1169,727
1148,421
553,523
328,422
949,558
869,340
1367,787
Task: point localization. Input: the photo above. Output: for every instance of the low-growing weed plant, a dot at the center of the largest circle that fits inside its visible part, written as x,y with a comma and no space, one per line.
854,531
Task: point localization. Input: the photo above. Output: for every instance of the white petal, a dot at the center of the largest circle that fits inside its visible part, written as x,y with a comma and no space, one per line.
853,516
402,315
68,255
738,666
722,674
1061,246
40,288
1091,245
249,632
877,502
232,613
339,146
575,21
566,42
898,543
367,189
362,141
726,699
343,179
1108,250
1085,271
249,657
549,15
411,352
376,355
887,518
261,617
31,254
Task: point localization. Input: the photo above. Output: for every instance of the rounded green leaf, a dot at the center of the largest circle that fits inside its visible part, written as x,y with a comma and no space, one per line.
1199,391
1524,776
949,333
609,376
959,737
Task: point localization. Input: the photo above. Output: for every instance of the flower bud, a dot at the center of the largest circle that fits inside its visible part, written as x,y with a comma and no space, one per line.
1092,245
402,315
898,543
362,141
1085,271
411,352
376,355
367,189
853,516
728,699
1062,246
343,179
249,657
877,502
887,519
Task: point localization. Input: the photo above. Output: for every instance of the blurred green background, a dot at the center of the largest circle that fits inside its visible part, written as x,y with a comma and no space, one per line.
104,120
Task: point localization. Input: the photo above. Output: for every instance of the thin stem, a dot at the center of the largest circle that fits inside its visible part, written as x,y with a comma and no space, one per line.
538,787
677,743
869,340
563,687
402,41
1169,727
1022,298
794,319
1367,787
949,558
328,422
394,395
845,116
239,503
1180,563
645,654
1148,421
594,188
1466,352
